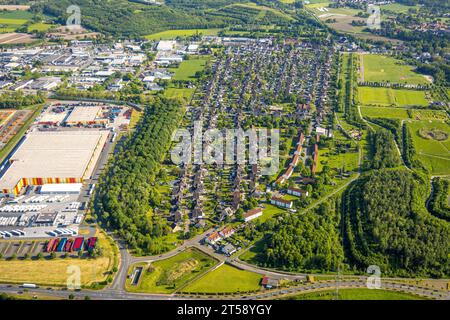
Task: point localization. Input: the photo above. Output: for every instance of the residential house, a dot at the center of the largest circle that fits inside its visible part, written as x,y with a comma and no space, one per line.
280,202
253,214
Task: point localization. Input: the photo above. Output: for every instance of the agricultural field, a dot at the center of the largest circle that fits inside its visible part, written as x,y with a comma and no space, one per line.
379,68
397,7
354,294
15,127
341,19
183,33
188,68
53,272
11,20
14,38
5,115
41,26
384,112
13,7
226,279
169,275
432,144
391,97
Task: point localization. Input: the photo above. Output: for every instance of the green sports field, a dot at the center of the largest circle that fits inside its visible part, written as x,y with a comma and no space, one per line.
391,97
378,68
166,276
173,34
226,279
432,153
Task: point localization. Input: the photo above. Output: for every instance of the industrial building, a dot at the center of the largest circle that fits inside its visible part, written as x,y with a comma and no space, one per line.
85,115
52,158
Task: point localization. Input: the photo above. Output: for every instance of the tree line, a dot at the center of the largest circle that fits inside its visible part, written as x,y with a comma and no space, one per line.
127,191
18,99
385,224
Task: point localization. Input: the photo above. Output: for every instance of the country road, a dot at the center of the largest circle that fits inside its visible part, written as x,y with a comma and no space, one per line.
109,294
116,291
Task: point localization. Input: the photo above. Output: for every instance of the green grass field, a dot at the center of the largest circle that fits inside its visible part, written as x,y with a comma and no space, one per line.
179,93
269,211
355,294
173,34
188,68
39,27
349,160
226,279
166,276
391,97
418,114
16,14
11,20
53,272
378,68
397,7
384,112
432,153
252,254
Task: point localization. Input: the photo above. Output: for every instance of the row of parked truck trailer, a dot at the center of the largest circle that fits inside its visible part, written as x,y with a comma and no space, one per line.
71,244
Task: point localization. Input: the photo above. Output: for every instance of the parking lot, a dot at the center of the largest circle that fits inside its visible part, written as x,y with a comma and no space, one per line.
21,248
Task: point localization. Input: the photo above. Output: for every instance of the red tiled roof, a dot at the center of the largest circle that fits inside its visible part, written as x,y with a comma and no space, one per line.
252,212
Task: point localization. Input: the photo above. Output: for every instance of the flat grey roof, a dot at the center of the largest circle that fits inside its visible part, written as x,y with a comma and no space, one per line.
83,114
56,154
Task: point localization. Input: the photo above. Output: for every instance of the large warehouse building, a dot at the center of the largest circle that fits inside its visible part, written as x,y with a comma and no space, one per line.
85,115
52,157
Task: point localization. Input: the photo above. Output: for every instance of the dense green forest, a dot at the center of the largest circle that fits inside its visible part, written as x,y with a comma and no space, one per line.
439,202
393,125
309,241
387,225
122,17
127,191
384,153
